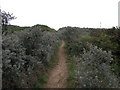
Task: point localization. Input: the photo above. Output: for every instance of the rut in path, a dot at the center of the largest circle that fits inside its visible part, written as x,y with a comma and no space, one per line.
58,76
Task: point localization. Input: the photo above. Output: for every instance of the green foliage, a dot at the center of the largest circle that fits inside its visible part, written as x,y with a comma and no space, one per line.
24,53
38,85
44,27
75,48
42,79
16,28
86,38
94,70
13,28
115,68
53,62
71,74
105,39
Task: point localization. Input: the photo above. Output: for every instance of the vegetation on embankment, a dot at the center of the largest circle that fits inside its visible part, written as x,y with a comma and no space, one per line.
108,40
71,64
95,51
71,74
43,77
93,56
54,58
26,54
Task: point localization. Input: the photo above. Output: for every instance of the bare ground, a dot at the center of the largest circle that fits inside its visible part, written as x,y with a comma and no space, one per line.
58,76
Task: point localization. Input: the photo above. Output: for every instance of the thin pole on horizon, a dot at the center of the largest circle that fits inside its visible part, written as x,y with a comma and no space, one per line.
100,24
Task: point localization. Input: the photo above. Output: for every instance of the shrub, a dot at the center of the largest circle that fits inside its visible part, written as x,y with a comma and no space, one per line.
25,55
94,70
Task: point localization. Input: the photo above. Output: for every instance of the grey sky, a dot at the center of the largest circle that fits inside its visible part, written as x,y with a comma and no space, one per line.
60,13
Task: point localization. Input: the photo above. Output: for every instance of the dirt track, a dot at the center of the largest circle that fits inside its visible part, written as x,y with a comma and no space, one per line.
58,76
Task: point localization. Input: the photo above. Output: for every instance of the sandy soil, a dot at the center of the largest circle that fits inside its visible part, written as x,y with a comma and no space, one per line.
58,76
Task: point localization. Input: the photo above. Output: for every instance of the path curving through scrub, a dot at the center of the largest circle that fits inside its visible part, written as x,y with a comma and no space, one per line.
58,76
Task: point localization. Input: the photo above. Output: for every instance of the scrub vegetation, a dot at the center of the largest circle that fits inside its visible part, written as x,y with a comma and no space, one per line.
89,59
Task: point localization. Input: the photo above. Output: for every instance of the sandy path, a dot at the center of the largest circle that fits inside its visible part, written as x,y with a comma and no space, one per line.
58,76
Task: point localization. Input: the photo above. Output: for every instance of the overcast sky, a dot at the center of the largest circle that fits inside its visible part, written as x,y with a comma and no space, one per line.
60,13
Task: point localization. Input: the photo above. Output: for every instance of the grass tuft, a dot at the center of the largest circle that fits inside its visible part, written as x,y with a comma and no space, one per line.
71,73
42,79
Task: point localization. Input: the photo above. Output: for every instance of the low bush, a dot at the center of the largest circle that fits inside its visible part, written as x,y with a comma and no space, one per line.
94,70
25,55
